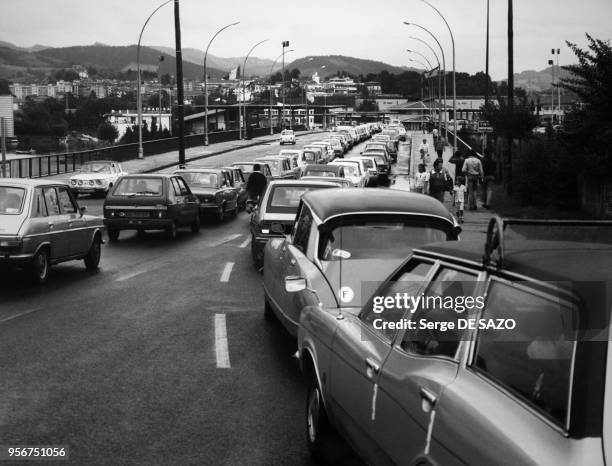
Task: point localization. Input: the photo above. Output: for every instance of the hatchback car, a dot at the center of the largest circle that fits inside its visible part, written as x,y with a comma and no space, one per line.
96,177
525,369
342,238
214,188
323,170
287,137
150,202
280,166
239,184
354,171
41,224
274,217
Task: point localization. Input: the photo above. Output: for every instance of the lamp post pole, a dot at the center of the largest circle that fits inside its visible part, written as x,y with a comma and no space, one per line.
138,94
284,45
240,133
443,69
161,59
439,79
271,68
430,70
420,63
454,79
206,81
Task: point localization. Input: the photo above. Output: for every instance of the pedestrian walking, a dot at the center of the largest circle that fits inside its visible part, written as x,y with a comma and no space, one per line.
421,180
489,169
435,135
472,169
459,196
440,145
424,147
457,160
439,181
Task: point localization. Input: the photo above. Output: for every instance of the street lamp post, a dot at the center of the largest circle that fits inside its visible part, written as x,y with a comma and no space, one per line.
271,68
440,71
240,132
430,70
284,45
454,80
206,81
443,69
161,59
138,95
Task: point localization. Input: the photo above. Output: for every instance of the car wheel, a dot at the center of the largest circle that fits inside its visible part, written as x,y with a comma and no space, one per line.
39,269
220,214
234,212
171,231
195,226
113,235
318,429
92,259
257,254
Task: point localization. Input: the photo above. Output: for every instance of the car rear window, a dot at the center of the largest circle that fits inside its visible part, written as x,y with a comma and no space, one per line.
95,168
285,199
309,156
331,173
139,187
247,168
207,180
11,200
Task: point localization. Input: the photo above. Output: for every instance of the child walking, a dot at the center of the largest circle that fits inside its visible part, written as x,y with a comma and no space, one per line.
421,180
459,196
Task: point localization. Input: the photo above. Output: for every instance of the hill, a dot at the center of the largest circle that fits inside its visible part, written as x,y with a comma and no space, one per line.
334,63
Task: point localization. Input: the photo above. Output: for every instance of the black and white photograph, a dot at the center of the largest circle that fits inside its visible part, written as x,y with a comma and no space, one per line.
276,233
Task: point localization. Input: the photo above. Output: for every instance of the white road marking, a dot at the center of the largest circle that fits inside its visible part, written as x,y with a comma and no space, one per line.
225,239
227,270
245,243
20,314
221,346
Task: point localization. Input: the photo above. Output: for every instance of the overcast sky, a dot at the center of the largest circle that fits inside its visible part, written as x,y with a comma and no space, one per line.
364,29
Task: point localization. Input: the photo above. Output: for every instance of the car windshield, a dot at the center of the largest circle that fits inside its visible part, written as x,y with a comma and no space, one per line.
309,156
246,169
275,166
207,180
372,238
95,168
139,187
320,173
287,132
350,169
11,200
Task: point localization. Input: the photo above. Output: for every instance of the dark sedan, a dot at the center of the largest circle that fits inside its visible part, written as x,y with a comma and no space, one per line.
214,188
151,202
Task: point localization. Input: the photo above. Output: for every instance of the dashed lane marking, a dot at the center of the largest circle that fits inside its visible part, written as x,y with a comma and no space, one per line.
225,239
227,271
245,243
20,314
221,345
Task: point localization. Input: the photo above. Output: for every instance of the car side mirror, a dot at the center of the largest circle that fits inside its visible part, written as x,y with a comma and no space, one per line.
82,210
294,284
277,228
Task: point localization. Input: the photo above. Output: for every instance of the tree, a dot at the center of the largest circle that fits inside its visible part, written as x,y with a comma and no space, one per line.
107,132
510,122
4,87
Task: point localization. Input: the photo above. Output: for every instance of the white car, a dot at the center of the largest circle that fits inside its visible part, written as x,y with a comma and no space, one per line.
354,170
287,136
96,177
328,150
297,159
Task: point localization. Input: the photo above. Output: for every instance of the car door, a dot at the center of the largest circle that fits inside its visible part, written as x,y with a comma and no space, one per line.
189,204
422,363
39,227
230,194
78,233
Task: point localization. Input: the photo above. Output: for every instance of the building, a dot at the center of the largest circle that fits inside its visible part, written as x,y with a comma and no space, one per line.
6,112
194,124
340,86
122,120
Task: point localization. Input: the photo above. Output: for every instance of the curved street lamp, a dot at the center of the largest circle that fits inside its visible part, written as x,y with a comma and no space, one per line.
443,68
206,82
243,90
428,69
277,58
454,80
138,96
439,76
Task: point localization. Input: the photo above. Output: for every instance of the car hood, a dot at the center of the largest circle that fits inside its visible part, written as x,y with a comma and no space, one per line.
10,224
91,176
362,276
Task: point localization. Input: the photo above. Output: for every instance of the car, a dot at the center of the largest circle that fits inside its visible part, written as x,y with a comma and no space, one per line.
341,239
383,165
274,216
387,146
296,157
342,182
280,166
369,165
41,224
312,155
287,137
336,145
354,171
150,202
96,177
524,370
247,169
239,184
323,170
328,150
215,190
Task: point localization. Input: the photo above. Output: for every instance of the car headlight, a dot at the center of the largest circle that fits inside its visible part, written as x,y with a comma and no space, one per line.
91,182
99,182
73,182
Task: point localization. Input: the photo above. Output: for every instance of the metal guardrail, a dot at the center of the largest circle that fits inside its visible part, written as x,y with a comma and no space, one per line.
56,164
461,142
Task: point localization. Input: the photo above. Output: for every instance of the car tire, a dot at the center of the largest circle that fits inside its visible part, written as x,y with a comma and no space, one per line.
319,431
220,214
171,231
92,259
113,235
39,269
195,226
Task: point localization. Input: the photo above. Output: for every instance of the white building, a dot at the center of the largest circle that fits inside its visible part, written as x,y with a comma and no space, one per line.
122,120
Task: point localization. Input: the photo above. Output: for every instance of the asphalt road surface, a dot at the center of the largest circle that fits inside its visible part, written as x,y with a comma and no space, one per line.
161,357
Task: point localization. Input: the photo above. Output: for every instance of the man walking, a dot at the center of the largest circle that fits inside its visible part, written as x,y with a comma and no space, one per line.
472,169
440,145
439,181
489,168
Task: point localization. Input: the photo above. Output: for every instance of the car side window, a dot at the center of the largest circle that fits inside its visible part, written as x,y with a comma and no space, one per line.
67,205
432,335
51,201
301,229
383,307
534,359
175,186
39,209
184,190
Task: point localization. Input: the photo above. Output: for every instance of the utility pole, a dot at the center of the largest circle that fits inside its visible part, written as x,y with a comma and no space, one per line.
486,96
180,110
3,142
510,96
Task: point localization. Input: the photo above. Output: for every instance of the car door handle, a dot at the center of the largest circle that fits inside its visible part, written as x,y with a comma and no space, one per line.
428,396
372,367
69,224
51,225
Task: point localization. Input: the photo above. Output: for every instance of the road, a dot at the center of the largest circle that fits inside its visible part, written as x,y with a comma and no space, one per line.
160,357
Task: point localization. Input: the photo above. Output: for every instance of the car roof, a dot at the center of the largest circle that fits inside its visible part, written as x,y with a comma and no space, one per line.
342,201
199,170
322,167
301,182
331,179
28,182
100,161
148,175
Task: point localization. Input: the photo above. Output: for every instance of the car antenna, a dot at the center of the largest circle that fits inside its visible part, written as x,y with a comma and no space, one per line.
340,316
